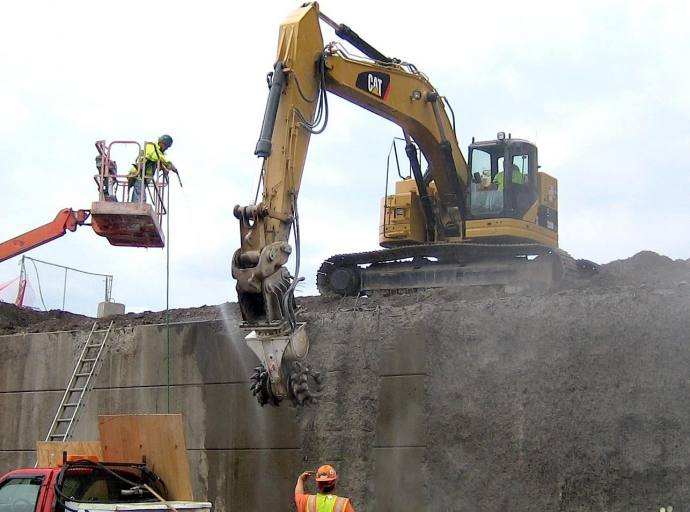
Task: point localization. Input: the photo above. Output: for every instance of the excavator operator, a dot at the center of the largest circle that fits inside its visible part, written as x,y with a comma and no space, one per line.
324,500
518,177
153,155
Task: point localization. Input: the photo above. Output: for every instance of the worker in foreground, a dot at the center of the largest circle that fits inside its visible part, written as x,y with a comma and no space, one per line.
154,155
324,500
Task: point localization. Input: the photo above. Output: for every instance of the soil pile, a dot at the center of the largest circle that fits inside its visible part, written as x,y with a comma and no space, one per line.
646,268
14,319
17,320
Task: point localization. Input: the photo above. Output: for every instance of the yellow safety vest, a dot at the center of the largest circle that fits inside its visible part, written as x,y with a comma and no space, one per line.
152,154
518,178
326,503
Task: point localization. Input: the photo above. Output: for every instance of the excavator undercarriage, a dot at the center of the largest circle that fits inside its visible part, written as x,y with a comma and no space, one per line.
447,265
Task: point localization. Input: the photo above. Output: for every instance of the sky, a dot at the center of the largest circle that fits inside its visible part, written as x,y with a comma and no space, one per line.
602,87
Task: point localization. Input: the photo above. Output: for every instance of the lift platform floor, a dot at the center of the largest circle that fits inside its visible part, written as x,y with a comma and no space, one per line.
127,224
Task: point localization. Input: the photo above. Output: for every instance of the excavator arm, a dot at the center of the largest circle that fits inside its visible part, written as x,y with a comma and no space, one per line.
66,219
403,95
297,107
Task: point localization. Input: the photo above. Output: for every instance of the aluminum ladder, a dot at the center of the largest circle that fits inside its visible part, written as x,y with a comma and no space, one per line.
80,384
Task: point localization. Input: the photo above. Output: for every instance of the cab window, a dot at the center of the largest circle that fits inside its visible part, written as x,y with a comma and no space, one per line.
486,199
504,180
19,494
522,191
481,161
521,165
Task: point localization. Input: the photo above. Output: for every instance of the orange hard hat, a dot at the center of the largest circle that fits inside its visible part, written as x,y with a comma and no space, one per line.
326,473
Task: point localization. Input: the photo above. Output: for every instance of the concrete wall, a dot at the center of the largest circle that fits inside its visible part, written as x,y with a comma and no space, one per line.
574,401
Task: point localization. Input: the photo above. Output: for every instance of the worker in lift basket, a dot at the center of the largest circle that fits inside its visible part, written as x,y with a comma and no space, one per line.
153,155
324,500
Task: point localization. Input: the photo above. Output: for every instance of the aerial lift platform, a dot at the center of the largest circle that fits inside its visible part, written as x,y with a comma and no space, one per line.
113,215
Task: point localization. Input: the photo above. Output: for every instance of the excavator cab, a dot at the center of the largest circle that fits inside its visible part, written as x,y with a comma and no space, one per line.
115,216
510,199
503,178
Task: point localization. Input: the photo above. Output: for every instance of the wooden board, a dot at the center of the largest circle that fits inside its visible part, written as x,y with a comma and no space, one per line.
159,438
49,453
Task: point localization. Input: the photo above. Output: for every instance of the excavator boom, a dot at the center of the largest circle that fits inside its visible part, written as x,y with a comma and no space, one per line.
297,107
66,220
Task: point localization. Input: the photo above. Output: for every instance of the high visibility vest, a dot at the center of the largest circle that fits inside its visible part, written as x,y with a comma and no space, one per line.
151,155
518,178
326,503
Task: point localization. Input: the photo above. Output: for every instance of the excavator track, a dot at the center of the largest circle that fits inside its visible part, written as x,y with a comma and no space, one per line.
445,265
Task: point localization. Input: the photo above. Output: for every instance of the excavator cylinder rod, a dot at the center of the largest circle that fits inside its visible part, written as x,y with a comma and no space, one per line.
263,146
347,34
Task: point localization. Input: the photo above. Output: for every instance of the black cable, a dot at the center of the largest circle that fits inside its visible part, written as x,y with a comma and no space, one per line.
318,125
299,90
290,292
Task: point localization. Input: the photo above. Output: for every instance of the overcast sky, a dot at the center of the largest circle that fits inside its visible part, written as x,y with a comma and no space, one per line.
603,88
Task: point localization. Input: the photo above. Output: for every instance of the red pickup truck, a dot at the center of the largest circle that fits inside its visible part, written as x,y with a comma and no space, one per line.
85,485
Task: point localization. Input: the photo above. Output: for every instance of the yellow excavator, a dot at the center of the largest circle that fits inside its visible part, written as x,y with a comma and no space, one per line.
490,221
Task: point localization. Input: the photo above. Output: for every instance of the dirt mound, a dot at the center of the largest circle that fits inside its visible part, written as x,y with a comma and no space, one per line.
646,268
176,315
17,320
14,319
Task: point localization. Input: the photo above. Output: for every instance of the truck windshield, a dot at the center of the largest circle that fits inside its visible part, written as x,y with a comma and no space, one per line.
94,485
19,494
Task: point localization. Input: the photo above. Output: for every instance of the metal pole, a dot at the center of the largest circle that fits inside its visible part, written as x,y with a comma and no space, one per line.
64,290
21,289
108,287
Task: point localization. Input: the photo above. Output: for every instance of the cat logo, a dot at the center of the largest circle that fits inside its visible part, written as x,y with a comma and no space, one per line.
377,84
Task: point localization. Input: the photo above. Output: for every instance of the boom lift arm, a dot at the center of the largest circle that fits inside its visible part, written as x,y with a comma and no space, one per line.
66,219
304,72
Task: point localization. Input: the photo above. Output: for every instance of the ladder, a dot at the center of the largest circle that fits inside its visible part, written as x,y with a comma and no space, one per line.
80,384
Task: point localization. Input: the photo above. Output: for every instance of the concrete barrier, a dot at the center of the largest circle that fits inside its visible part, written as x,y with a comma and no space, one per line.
571,401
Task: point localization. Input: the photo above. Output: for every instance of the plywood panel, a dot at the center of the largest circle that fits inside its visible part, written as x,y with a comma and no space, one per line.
159,438
49,453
